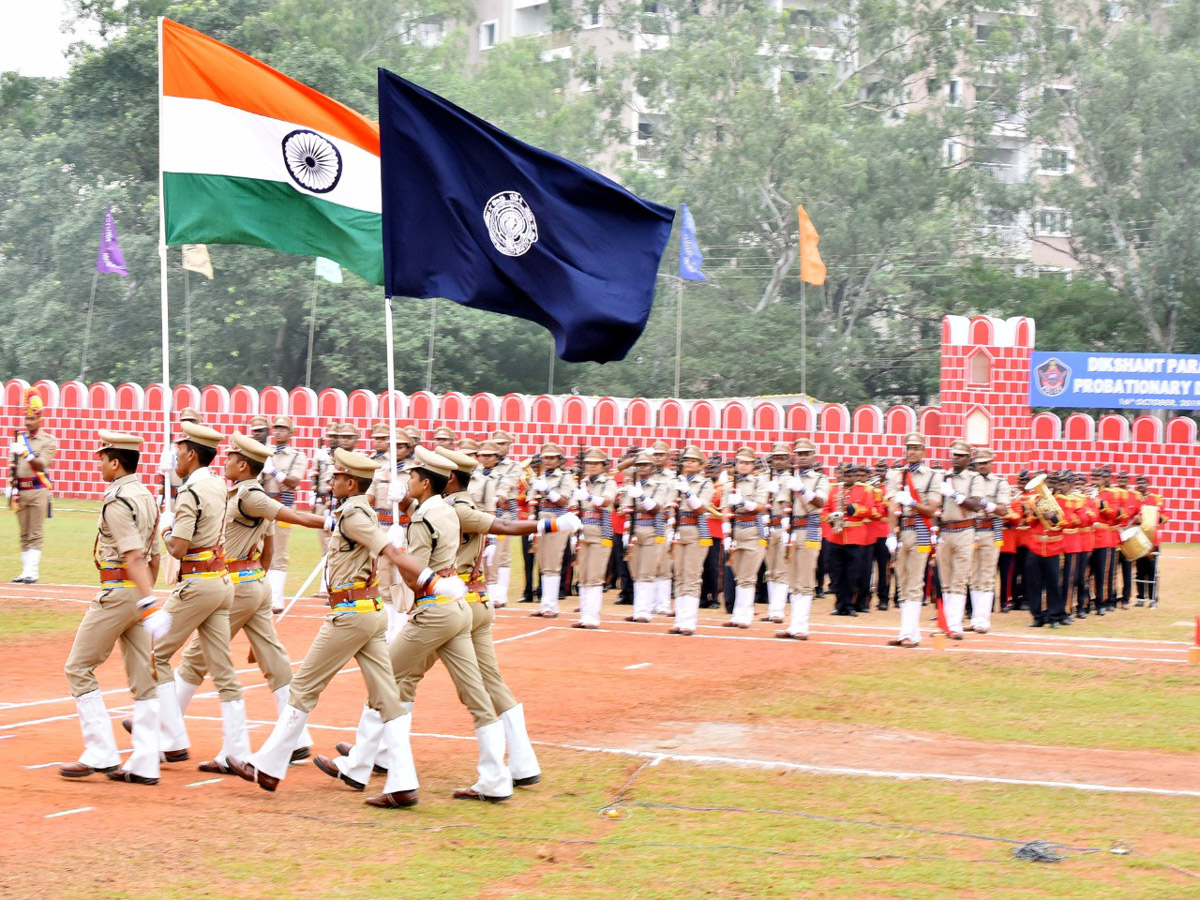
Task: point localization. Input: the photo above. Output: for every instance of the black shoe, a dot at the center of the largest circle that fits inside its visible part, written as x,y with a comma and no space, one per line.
130,778
1140,602
1082,614
624,602
1037,623
526,782
23,579
1054,625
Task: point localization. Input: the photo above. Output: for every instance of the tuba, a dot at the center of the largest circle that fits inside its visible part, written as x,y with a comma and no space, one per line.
1044,504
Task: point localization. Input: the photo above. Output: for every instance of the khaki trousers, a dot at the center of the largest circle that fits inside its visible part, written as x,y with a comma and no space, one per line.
955,550
746,556
643,558
592,562
689,562
201,605
250,612
777,569
485,655
802,573
345,636
550,552
31,513
112,616
279,553
441,631
983,566
665,563
910,568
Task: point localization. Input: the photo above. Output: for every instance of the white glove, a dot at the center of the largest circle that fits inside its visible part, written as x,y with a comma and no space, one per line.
809,496
726,529
19,450
539,485
649,504
989,507
554,496
933,539
330,522
397,490
683,485
636,492
736,499
904,498
727,542
693,501
450,586
489,553
580,494
672,535
794,484
772,486
395,536
322,456
946,488
269,469
8,492
794,538
574,541
891,543
625,539
596,500
158,623
749,506
568,523
166,460
166,520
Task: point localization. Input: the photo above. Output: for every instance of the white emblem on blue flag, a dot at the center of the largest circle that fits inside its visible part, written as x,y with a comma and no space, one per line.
510,223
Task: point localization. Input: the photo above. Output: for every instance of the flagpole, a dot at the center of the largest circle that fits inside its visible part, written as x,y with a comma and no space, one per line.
168,396
432,334
550,376
312,327
391,380
87,330
187,325
803,336
678,336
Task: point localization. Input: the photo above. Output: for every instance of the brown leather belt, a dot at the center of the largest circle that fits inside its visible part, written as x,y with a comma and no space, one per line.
353,595
28,484
244,565
107,575
958,526
216,563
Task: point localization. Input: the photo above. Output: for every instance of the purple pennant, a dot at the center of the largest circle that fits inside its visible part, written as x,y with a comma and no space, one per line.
110,259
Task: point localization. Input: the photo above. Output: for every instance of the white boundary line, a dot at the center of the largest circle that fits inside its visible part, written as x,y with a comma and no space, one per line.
70,812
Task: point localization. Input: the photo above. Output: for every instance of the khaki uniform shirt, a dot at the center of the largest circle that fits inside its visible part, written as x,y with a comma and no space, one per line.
249,517
654,489
127,521
477,487
702,486
966,483
753,489
507,476
44,447
355,543
434,535
927,482
473,525
994,489
666,477
562,481
815,481
604,487
323,474
291,463
777,496
200,510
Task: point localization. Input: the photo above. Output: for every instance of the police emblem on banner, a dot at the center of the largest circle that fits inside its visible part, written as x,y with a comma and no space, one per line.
1053,377
510,223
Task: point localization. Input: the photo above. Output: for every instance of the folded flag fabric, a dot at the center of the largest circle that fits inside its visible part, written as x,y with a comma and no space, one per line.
251,156
474,215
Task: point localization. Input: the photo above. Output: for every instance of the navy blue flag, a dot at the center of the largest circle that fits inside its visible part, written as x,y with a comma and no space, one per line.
690,257
474,215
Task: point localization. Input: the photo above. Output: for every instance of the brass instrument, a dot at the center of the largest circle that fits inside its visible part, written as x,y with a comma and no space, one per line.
837,518
1135,544
1044,504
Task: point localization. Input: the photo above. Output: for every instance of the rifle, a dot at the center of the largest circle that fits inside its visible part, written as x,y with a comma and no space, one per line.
14,492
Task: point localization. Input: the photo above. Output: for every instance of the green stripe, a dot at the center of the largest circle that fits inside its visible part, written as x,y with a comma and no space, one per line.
218,209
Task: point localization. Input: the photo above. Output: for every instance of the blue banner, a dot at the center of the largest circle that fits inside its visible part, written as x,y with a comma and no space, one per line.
690,257
1115,380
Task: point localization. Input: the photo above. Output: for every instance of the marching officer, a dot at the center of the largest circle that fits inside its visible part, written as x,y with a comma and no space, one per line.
644,506
251,517
663,473
32,451
960,491
550,495
322,478
777,540
281,476
388,489
170,481
505,474
989,538
126,555
692,538
745,533
807,492
354,629
914,494
444,438
595,497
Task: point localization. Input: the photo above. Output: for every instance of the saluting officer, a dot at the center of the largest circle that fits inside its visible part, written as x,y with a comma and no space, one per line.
126,555
550,494
692,538
807,492
961,491
281,475
745,533
32,451
914,494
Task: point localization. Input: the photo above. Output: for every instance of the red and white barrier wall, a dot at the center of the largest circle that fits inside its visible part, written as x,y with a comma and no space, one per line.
984,398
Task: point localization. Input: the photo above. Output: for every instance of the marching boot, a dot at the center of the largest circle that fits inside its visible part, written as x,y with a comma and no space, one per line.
173,736
400,788
143,763
801,611
304,745
355,767
495,783
687,615
522,760
100,752
276,580
269,765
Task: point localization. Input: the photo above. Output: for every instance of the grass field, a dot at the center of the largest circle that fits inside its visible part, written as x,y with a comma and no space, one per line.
628,806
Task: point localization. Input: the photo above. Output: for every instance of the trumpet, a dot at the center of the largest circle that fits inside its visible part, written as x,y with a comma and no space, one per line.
1044,505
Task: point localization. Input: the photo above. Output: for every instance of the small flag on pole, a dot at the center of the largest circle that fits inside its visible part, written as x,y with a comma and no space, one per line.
812,269
690,257
110,260
329,270
196,259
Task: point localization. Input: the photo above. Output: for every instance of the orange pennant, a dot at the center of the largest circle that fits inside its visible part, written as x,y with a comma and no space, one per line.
812,268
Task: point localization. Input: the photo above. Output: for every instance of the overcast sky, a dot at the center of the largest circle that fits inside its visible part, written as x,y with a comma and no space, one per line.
31,38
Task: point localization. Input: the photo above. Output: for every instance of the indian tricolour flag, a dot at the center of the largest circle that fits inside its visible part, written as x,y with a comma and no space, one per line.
250,156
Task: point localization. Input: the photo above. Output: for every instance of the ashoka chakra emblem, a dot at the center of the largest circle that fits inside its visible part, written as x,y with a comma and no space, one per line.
312,160
510,223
